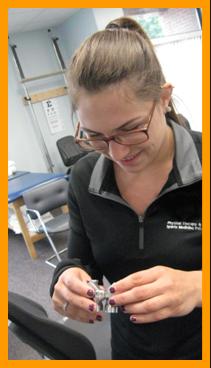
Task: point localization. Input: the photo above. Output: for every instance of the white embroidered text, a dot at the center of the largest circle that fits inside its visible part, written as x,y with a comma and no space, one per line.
183,225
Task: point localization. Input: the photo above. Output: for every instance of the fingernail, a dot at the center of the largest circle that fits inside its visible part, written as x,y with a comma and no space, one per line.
112,302
122,308
99,318
91,321
90,292
112,290
91,307
133,319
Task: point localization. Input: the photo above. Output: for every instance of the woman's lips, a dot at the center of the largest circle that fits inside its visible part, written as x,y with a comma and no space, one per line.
130,159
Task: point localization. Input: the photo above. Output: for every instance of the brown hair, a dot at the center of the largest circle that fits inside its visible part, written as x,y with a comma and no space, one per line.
128,23
121,52
131,24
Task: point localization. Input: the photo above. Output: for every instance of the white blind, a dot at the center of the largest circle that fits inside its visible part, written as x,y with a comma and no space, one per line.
182,66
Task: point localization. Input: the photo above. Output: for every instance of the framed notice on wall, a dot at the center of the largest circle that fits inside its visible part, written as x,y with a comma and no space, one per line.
53,117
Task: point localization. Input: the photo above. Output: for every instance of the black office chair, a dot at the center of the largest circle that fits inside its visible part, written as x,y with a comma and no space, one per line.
52,340
70,151
45,198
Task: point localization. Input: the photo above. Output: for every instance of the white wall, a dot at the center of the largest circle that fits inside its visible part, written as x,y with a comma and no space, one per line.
37,57
75,30
22,146
104,15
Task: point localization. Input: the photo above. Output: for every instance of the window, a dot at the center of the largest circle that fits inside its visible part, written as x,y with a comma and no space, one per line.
176,34
166,24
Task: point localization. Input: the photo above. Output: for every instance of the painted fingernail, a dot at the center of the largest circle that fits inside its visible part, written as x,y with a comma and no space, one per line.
112,290
133,319
99,318
91,307
112,302
90,293
91,321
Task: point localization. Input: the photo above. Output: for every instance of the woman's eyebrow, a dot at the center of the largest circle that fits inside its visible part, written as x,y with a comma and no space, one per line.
89,130
120,127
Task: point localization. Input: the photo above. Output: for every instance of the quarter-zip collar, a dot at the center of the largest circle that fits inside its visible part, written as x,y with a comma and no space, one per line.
187,162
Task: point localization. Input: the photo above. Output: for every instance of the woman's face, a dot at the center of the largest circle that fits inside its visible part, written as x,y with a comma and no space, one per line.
116,111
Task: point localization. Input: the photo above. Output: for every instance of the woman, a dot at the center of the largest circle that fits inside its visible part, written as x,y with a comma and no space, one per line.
135,202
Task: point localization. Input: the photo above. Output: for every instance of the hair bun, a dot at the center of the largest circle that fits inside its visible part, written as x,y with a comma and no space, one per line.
124,23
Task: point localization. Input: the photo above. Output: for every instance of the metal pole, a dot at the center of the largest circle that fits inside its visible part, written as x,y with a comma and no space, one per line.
60,61
59,55
35,122
59,58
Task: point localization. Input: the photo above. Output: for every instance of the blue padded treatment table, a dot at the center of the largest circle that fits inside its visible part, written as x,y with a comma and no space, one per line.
22,181
18,183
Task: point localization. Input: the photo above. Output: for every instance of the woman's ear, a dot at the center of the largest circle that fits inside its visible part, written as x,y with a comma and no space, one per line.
166,93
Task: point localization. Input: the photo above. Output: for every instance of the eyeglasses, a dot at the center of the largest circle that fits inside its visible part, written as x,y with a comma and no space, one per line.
136,136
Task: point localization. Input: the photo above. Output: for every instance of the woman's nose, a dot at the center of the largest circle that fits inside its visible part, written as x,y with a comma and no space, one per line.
117,151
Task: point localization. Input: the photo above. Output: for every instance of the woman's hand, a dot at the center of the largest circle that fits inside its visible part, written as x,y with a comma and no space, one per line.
72,296
157,293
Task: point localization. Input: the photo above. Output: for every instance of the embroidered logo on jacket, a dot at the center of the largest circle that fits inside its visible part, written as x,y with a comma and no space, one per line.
183,225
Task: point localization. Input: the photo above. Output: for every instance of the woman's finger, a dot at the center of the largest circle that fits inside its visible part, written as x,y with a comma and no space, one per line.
137,279
137,294
148,306
151,317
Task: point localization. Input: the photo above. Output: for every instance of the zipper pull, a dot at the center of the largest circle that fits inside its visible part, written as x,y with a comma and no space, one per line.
141,232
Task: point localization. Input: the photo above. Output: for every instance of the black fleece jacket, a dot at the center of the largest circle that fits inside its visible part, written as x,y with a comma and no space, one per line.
108,239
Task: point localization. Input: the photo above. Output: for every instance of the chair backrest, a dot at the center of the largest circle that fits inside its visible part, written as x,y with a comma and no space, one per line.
70,151
47,196
52,339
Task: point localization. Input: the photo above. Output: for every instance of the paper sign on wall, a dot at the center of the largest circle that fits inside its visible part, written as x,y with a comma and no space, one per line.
52,114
